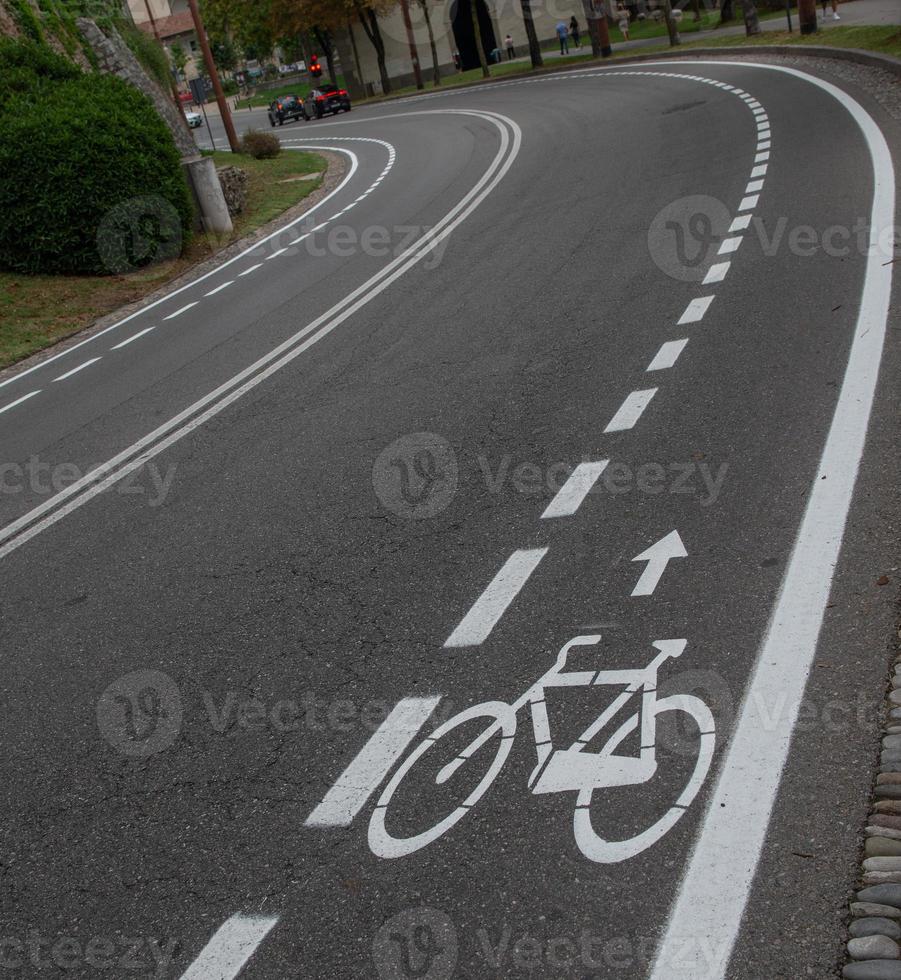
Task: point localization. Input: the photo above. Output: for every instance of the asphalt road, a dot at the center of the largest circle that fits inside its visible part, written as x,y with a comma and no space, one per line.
334,520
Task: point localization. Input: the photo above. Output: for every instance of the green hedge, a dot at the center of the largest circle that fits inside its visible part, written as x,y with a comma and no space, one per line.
90,179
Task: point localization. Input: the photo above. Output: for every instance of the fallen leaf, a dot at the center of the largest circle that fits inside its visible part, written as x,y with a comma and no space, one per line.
882,580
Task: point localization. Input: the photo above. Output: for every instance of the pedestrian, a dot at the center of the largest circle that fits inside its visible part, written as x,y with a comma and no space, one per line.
508,44
496,56
835,15
563,37
574,31
457,64
623,23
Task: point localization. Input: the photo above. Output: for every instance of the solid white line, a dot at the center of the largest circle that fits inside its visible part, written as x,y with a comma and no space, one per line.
475,626
226,954
569,497
630,411
715,889
716,273
695,310
135,456
740,223
668,354
134,336
247,272
219,288
730,245
354,165
364,775
748,203
75,370
19,401
184,309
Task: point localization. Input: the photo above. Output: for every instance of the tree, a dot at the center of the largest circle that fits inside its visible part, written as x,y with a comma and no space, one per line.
179,57
752,21
368,16
436,71
529,24
224,54
324,39
477,33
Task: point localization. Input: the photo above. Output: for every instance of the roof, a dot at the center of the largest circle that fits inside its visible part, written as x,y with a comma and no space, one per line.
171,26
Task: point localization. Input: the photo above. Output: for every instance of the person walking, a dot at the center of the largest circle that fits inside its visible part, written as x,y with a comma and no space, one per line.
511,50
563,37
574,31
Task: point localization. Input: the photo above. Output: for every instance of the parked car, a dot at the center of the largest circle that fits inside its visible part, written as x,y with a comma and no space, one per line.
286,107
186,98
195,120
328,98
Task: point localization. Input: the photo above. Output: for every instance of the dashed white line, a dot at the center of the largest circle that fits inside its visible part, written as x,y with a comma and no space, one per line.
75,370
668,354
729,245
348,795
630,411
19,401
695,310
740,223
569,497
213,292
253,268
761,157
716,273
764,144
759,170
184,309
226,954
276,253
133,337
749,203
492,603
754,186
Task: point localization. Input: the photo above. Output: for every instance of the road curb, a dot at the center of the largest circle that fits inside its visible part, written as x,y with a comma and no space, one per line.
874,933
855,55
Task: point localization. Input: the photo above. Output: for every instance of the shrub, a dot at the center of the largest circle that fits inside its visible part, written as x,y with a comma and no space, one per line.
90,180
261,146
27,66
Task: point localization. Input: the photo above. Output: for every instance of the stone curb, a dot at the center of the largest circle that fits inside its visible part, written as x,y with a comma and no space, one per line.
856,55
874,943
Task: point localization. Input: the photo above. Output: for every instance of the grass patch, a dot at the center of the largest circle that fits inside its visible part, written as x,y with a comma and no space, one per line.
37,311
883,39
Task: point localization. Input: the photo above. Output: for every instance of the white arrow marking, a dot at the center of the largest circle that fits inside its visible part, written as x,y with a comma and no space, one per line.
658,557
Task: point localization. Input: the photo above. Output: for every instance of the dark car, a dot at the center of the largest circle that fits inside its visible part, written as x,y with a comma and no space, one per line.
328,98
286,107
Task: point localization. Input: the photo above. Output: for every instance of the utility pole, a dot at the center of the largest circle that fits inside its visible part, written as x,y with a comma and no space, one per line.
224,110
414,54
807,16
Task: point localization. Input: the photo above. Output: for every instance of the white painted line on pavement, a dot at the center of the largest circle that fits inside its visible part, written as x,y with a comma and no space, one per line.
184,309
492,603
761,157
759,171
716,273
729,245
695,310
213,292
740,223
100,479
276,253
226,954
247,272
630,411
375,760
19,401
754,186
569,497
668,354
133,337
75,370
717,882
749,203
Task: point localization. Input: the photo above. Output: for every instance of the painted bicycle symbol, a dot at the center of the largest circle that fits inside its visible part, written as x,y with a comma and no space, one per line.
573,769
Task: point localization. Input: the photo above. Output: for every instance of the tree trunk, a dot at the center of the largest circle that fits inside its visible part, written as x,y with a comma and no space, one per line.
370,23
696,9
671,26
477,32
591,17
726,11
752,21
324,39
353,45
436,71
529,24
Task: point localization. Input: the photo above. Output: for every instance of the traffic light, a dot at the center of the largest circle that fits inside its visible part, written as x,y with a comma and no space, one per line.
315,67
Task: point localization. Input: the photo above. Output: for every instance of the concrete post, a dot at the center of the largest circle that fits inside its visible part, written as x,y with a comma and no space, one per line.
211,204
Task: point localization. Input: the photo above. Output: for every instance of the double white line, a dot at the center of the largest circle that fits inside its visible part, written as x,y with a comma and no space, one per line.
14,535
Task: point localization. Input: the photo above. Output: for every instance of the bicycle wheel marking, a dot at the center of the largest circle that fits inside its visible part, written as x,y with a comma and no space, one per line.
348,795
